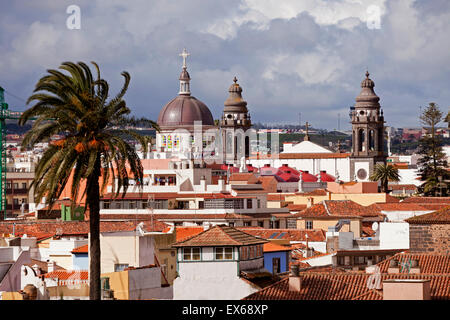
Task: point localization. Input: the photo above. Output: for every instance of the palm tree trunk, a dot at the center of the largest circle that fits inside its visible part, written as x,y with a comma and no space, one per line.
93,200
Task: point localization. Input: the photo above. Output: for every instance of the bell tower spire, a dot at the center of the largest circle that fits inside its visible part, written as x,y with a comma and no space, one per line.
184,76
368,130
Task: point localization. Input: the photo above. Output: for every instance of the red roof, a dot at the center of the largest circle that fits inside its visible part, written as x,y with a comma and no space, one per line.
400,206
344,286
444,200
315,235
220,235
286,169
338,208
68,274
273,247
82,249
325,177
428,263
441,216
307,177
186,232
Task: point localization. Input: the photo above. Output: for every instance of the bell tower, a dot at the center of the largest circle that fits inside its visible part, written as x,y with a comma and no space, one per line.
235,122
367,132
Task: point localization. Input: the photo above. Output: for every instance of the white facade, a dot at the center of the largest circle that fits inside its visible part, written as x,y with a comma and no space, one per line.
210,279
394,235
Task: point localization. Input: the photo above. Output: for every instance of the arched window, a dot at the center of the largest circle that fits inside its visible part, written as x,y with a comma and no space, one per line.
371,140
361,140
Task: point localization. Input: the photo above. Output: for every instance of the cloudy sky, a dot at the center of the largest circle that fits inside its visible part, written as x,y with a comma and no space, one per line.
290,56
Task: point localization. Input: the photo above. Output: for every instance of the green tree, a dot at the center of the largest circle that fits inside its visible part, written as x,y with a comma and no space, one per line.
94,144
432,163
385,173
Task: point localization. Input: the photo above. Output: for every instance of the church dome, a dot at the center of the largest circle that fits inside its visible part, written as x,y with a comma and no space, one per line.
183,110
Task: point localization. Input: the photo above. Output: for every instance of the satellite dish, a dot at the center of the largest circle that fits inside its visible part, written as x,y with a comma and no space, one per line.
375,226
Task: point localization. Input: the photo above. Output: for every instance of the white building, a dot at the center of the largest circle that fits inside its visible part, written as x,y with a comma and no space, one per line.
211,265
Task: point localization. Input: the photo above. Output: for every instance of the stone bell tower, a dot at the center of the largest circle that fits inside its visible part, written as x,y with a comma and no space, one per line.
368,132
234,124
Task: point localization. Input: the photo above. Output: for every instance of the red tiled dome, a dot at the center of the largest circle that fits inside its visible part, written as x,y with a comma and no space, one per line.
307,177
286,169
267,170
325,177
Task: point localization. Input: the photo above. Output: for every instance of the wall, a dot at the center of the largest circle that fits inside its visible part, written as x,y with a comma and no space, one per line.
284,258
394,235
146,284
429,238
210,281
125,248
12,280
363,199
403,215
81,261
118,282
355,225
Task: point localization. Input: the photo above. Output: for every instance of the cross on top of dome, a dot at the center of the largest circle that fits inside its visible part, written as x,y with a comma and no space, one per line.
184,54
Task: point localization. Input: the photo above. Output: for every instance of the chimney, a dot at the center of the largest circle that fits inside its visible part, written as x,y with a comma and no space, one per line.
203,183
393,266
221,184
50,266
310,202
406,289
295,282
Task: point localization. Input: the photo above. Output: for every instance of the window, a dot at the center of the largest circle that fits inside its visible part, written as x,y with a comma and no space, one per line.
201,204
247,223
15,201
120,267
308,224
249,203
231,224
223,253
261,224
259,203
15,185
190,254
105,204
24,185
244,253
259,251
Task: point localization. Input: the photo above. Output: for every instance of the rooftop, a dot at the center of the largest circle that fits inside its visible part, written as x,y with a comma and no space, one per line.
441,216
220,235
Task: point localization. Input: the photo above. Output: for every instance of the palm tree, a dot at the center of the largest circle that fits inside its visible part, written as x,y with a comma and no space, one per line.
75,105
385,173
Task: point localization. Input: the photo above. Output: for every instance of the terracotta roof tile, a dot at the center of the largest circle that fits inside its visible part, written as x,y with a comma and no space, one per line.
338,208
441,216
68,274
445,200
315,235
76,227
344,286
401,206
82,249
428,263
186,232
273,247
220,235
